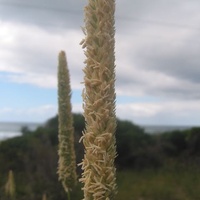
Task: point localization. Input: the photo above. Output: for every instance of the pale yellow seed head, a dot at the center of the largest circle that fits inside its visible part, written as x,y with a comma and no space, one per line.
99,175
66,152
10,185
44,196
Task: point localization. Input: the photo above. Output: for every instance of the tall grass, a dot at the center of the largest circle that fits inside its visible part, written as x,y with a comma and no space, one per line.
162,184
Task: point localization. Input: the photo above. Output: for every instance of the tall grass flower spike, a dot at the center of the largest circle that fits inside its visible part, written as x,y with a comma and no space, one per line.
66,152
99,172
10,185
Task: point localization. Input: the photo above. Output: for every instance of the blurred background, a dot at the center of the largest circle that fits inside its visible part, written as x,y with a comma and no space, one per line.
157,87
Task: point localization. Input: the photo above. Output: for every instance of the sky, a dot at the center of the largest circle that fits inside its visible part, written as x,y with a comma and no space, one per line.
157,59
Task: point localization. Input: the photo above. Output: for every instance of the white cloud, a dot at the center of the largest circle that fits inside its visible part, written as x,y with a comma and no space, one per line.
39,113
31,56
77,108
162,113
41,80
34,114
6,110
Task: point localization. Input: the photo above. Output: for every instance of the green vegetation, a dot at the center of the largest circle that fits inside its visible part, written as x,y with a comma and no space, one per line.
161,184
149,167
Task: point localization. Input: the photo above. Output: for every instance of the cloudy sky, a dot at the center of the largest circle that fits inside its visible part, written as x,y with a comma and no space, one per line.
157,59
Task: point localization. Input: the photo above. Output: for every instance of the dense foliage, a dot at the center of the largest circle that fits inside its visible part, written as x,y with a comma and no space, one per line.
33,156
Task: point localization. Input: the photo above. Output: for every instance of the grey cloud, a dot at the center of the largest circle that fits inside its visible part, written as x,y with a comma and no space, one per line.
161,112
160,45
45,14
157,46
182,63
181,93
148,42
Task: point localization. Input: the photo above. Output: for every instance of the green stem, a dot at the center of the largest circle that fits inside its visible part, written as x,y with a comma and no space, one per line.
68,195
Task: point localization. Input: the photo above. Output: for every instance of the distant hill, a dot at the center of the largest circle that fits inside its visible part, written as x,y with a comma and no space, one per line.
155,129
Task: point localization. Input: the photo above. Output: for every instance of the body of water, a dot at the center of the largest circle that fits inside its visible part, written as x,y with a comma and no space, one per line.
12,129
9,130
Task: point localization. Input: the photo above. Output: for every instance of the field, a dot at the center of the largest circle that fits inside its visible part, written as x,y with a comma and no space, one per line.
163,184
171,183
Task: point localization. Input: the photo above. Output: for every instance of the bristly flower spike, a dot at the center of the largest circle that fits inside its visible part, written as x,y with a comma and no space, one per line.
66,152
99,172
10,185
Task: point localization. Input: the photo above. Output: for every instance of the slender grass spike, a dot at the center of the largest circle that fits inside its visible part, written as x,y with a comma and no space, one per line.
99,172
66,152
